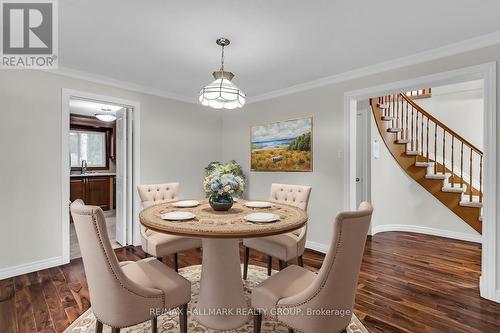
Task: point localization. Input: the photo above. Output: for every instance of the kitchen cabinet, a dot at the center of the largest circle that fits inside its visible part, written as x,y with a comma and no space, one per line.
93,190
77,188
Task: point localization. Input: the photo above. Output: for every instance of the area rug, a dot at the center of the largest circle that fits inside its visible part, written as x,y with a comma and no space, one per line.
170,324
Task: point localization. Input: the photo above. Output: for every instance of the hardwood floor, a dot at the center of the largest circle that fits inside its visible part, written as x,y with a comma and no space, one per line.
408,283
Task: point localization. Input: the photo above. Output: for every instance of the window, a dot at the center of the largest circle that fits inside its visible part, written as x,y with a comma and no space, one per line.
89,146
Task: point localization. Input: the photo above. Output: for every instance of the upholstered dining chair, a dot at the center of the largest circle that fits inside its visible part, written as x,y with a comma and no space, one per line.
296,290
287,246
127,293
155,243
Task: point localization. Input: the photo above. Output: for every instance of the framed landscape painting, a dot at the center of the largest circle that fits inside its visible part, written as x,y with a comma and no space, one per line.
282,146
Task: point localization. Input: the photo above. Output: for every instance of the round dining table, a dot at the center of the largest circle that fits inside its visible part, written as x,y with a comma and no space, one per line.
221,304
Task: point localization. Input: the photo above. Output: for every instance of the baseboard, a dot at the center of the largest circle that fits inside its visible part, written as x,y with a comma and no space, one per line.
323,248
9,272
428,231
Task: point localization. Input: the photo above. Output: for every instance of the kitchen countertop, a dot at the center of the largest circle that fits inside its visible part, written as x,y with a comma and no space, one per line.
93,174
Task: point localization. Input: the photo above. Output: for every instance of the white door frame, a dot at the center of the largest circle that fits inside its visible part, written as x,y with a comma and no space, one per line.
132,225
487,72
365,174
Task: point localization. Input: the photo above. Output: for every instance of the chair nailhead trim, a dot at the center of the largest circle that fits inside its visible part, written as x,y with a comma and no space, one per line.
94,223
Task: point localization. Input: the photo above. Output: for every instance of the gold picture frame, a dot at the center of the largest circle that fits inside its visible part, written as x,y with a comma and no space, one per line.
282,146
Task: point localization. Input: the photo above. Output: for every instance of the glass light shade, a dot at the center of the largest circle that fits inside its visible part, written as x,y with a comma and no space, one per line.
222,93
107,117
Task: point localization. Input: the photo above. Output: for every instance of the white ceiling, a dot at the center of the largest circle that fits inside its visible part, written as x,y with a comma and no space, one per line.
170,45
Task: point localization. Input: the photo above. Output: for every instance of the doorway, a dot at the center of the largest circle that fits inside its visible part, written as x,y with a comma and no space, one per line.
100,163
363,176
487,73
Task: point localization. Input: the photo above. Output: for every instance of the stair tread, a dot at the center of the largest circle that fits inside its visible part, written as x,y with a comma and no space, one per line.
394,129
412,152
402,141
454,189
424,164
437,175
475,198
456,185
383,105
473,204
387,118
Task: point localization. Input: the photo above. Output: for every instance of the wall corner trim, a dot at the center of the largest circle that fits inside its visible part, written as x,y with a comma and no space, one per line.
428,231
34,266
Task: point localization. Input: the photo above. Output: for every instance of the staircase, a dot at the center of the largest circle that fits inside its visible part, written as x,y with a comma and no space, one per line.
435,156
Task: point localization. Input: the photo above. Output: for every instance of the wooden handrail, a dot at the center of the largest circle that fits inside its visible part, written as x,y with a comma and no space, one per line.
414,137
440,124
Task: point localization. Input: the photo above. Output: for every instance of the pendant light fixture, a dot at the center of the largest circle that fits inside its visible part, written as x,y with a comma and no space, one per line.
106,115
222,93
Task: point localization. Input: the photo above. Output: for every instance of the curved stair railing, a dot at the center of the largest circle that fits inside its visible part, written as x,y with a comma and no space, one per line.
419,140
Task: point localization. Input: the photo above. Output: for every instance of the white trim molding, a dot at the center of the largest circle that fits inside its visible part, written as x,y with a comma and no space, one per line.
428,231
133,232
100,79
489,260
486,72
319,247
34,266
421,57
414,59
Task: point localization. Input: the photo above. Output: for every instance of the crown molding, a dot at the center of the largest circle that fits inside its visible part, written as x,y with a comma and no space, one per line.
417,58
421,57
87,76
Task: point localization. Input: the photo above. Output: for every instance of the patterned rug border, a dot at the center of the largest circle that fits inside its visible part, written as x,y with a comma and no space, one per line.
354,318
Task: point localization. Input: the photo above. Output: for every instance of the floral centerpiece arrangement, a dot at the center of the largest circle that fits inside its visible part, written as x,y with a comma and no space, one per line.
222,182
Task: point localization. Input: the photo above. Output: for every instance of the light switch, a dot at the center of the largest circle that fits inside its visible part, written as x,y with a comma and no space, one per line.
376,149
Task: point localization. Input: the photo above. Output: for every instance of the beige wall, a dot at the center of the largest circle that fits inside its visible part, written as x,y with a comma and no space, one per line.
326,104
177,141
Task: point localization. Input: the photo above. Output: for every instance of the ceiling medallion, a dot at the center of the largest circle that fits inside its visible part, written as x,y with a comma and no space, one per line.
222,93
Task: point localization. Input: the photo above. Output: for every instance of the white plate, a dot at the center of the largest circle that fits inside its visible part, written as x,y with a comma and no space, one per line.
258,204
262,217
186,203
178,216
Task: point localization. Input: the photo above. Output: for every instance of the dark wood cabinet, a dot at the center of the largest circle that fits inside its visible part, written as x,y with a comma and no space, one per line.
77,188
98,192
93,190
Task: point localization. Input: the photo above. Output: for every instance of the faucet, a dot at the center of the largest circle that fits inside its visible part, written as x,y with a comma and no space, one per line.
84,167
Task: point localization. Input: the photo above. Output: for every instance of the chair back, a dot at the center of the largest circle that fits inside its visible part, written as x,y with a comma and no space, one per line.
155,194
112,294
295,195
335,286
